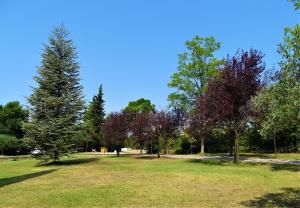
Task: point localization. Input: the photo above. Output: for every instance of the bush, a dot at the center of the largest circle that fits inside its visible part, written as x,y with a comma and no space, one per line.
8,143
187,145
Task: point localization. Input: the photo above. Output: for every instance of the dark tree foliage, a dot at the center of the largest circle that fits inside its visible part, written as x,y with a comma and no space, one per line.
11,117
94,118
139,114
197,127
166,125
56,103
140,127
226,102
115,131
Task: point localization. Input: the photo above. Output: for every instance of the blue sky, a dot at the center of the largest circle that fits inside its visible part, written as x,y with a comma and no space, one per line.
131,46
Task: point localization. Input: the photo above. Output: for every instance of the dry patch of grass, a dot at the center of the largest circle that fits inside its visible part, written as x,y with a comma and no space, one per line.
91,181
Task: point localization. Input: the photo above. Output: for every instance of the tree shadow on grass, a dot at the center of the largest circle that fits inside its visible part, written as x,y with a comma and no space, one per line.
209,161
289,197
288,167
274,167
152,157
17,179
69,162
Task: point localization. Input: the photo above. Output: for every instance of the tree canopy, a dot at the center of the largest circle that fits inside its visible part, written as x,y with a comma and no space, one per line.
11,117
141,105
195,68
226,102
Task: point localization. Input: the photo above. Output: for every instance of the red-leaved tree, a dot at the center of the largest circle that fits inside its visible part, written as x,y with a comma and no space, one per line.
141,128
115,131
166,126
226,102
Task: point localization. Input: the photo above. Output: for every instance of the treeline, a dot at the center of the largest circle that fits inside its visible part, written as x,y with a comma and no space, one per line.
229,105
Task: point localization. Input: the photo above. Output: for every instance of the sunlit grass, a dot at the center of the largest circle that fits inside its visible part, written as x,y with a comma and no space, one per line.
93,181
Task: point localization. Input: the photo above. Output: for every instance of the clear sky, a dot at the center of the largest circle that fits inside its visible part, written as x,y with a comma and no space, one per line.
131,46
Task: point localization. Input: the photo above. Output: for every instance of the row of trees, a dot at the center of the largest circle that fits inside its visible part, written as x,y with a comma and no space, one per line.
232,94
227,97
147,129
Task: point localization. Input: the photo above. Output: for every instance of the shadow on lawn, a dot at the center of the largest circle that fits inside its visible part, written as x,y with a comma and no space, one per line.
69,162
209,161
289,197
17,179
279,167
273,167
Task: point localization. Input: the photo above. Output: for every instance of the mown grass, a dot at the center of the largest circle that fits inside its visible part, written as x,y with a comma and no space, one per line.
94,181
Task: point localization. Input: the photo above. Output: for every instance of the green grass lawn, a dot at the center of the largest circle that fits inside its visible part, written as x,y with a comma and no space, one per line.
93,181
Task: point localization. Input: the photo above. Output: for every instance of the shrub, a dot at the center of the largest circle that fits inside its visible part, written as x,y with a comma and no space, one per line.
8,143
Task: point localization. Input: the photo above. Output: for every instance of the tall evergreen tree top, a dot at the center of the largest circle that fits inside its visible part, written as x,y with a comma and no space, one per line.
58,79
97,112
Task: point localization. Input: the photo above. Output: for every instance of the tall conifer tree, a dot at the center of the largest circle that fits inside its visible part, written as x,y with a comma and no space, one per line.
56,103
94,118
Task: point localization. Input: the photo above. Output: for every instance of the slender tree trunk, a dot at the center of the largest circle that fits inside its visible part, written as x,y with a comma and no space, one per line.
275,146
86,146
56,156
118,152
236,147
158,148
202,145
151,147
231,144
166,146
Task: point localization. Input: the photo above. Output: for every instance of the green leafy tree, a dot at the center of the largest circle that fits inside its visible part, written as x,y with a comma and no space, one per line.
94,118
11,117
279,103
140,106
195,68
296,3
56,103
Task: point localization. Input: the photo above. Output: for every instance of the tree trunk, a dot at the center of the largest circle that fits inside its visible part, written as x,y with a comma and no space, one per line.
275,147
151,147
231,145
118,152
166,146
86,147
202,145
236,146
56,156
158,148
